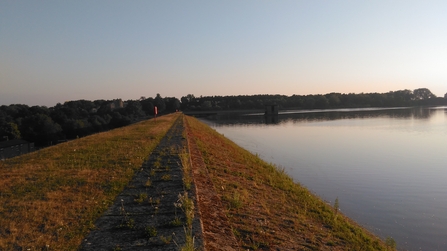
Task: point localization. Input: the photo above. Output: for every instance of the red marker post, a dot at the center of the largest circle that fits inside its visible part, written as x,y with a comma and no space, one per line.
155,113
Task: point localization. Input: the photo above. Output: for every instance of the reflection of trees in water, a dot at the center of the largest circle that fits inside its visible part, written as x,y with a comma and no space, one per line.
413,113
309,116
417,113
421,113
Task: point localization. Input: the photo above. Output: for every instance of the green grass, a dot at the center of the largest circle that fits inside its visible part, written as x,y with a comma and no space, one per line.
140,198
166,177
53,196
176,222
267,209
184,201
186,165
150,231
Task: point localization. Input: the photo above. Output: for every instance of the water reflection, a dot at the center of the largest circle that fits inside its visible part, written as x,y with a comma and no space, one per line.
387,167
271,119
302,116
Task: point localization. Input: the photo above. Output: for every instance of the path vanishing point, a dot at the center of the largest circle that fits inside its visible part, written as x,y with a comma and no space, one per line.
146,216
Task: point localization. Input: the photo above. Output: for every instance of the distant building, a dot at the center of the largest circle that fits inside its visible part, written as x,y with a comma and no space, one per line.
271,109
116,104
15,147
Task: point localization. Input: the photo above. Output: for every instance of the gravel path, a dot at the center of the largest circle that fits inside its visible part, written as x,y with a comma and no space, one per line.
143,216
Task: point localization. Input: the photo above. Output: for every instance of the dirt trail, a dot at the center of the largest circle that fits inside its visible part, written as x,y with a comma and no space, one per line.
143,216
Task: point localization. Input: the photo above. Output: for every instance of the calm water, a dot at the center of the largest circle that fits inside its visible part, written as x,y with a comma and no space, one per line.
387,167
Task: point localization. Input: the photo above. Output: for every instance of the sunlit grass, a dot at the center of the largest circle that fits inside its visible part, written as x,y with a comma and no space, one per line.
267,209
184,201
51,198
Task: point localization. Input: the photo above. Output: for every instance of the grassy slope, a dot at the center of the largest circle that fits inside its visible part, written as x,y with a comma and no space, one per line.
266,209
50,199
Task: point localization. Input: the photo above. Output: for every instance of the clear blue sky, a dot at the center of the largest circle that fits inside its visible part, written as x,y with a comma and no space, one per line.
55,51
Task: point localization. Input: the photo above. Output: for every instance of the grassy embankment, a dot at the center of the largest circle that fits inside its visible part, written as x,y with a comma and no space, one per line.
266,209
50,199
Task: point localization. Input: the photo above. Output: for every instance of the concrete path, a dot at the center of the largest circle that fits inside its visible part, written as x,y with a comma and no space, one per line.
143,216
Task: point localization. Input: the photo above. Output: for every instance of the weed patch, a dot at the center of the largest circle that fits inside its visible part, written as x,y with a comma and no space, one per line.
150,231
140,198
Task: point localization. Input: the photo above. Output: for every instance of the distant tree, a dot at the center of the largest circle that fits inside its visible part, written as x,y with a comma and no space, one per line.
309,102
4,116
39,110
184,104
422,94
172,104
190,97
250,104
404,96
118,120
134,109
82,104
445,96
58,115
160,103
321,102
98,123
333,99
206,105
295,101
9,130
176,104
74,128
70,128
148,106
17,111
187,101
99,102
104,108
235,104
107,118
41,129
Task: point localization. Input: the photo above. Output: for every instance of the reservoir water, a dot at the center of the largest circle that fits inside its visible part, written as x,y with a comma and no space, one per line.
388,167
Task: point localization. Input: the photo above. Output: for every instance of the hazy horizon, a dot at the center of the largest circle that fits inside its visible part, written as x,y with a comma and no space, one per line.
52,51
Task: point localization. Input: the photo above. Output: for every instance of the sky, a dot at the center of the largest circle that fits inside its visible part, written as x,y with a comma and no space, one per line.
56,51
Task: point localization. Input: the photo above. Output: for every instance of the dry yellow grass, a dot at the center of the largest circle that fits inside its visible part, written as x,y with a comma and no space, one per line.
266,209
50,199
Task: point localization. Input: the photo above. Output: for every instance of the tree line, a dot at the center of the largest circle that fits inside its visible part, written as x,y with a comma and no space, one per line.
46,126
418,97
72,119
